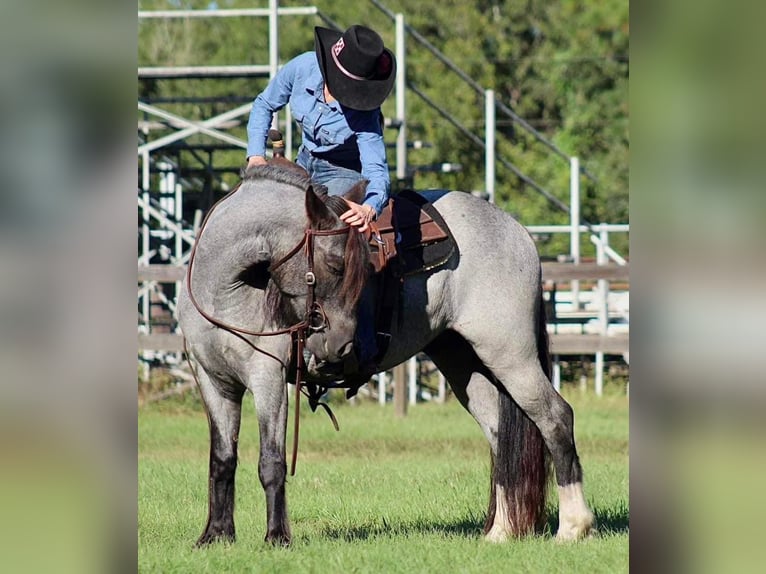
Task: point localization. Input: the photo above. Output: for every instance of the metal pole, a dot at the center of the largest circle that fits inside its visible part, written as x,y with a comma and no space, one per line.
603,310
574,211
401,138
489,142
400,390
412,378
556,373
274,47
442,397
146,182
226,13
178,214
382,388
179,242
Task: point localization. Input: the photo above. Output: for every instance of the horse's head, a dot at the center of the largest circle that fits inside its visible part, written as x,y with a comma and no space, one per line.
331,269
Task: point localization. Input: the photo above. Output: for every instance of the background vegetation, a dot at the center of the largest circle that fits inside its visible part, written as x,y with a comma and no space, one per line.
562,66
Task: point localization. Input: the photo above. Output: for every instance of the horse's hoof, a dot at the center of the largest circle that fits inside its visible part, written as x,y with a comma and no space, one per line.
496,535
577,530
278,539
208,538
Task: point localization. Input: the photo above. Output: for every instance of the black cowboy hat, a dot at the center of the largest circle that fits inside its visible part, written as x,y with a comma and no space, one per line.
358,70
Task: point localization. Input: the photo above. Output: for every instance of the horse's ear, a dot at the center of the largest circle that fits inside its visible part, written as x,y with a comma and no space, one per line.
357,192
320,217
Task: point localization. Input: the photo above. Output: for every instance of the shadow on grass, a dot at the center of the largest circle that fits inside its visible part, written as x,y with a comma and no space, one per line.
467,527
609,521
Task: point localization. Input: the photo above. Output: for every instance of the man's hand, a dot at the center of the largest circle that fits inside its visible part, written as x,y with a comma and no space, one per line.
254,160
358,215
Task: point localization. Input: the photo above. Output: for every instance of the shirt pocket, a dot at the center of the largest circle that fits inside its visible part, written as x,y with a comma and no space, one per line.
336,135
328,136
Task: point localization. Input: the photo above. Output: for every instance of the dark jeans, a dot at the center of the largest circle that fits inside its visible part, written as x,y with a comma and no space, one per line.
338,180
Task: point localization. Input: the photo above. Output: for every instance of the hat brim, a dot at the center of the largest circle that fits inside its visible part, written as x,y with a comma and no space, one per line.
362,95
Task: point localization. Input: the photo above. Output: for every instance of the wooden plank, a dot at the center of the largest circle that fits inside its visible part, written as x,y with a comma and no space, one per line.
554,271
574,344
400,390
160,342
161,273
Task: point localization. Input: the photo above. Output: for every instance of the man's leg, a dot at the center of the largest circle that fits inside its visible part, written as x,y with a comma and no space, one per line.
366,341
338,180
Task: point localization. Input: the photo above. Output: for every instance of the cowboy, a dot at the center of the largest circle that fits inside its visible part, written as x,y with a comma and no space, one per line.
335,94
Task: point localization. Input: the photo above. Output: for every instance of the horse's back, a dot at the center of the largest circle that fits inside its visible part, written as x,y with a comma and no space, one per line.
496,281
488,237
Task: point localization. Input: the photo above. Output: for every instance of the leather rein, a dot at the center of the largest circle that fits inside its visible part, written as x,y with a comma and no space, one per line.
314,319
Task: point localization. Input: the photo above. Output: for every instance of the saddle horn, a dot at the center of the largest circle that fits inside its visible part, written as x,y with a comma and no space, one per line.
277,143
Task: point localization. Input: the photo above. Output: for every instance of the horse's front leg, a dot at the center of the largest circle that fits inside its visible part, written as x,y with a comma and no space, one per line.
270,394
224,407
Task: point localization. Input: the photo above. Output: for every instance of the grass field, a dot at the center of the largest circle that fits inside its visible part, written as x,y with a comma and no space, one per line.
383,495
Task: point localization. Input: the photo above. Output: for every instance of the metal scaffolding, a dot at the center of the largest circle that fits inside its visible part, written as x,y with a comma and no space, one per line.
165,234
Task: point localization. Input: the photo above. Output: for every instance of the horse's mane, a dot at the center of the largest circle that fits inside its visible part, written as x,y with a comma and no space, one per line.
356,256
276,173
296,176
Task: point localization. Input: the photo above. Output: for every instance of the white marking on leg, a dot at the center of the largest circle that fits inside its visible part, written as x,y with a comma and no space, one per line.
575,518
501,527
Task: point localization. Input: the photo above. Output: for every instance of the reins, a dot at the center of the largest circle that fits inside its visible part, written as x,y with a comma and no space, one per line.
297,332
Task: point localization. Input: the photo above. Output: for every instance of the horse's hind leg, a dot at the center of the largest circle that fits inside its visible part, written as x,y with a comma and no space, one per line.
519,468
224,414
522,375
554,417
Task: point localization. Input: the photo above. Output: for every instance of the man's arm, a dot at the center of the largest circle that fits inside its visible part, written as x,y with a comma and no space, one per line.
372,154
271,100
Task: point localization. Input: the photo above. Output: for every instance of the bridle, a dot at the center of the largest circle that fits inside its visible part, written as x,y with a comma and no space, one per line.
314,319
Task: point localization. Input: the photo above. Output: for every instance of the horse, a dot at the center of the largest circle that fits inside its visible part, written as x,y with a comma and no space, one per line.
274,263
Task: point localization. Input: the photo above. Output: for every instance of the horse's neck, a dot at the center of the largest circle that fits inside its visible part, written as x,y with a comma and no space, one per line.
254,224
254,219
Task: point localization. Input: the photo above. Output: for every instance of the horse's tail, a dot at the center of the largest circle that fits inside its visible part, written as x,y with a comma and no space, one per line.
521,467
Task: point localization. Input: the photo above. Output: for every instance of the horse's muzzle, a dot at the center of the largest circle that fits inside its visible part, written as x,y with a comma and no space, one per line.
326,349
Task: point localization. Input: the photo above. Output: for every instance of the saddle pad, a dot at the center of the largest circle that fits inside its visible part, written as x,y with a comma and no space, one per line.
411,237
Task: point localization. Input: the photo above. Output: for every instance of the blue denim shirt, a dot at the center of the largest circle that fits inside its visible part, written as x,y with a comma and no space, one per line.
346,137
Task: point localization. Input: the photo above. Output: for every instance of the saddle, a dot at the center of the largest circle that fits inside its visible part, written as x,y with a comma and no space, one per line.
409,237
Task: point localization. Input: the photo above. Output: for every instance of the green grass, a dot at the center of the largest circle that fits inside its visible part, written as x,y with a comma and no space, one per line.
383,495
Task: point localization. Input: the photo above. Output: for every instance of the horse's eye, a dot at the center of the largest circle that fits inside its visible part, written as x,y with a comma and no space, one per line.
335,265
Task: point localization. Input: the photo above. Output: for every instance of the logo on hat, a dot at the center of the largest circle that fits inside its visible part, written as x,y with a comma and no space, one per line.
337,48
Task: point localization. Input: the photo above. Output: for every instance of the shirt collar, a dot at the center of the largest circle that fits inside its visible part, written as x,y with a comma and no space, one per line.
315,89
318,92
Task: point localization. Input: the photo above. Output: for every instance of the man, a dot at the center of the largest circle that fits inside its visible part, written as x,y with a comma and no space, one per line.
335,94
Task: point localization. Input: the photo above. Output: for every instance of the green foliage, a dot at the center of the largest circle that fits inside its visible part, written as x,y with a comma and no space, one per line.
561,66
382,495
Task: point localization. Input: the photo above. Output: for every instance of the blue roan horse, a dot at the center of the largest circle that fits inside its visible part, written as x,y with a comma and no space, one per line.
479,318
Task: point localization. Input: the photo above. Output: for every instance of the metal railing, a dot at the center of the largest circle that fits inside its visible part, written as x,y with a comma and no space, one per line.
492,104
